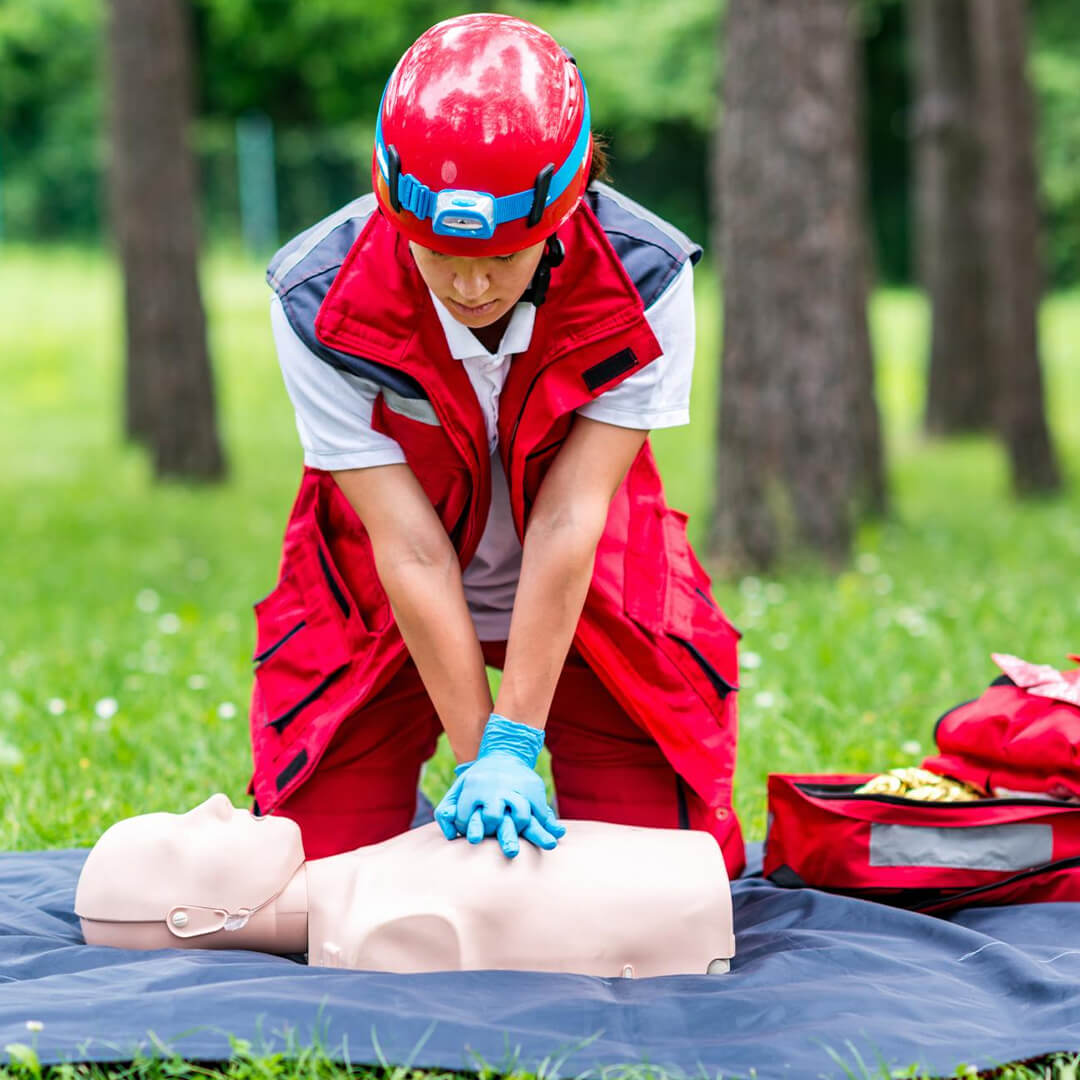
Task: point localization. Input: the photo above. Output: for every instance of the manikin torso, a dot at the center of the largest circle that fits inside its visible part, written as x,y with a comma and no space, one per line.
610,900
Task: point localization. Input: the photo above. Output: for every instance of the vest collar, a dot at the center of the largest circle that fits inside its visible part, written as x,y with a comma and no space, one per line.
378,302
463,343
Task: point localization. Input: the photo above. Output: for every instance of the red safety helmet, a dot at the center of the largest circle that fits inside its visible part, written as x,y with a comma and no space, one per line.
483,142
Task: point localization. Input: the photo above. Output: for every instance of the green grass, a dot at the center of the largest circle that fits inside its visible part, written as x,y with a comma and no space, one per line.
126,629
301,1062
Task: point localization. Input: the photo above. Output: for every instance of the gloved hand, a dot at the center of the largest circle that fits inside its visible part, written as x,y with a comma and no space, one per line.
500,793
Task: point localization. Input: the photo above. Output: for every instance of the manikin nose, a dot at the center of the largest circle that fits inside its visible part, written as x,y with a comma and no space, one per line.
220,806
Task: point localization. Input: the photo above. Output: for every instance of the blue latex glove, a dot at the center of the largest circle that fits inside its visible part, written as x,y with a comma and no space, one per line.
500,793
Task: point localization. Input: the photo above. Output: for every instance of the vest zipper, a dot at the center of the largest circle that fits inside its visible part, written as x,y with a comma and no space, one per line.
339,596
258,658
280,723
719,683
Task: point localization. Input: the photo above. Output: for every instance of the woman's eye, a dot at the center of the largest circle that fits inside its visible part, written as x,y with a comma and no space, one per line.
506,258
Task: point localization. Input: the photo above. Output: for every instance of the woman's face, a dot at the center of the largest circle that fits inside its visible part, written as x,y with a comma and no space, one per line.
477,292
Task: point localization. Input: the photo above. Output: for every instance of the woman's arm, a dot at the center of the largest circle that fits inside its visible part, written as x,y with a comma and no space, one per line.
557,562
419,570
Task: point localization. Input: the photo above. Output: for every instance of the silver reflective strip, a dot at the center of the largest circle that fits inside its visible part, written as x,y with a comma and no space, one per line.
414,408
680,238
358,208
981,847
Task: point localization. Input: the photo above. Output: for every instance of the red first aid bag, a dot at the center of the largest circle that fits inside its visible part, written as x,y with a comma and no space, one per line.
928,856
1020,736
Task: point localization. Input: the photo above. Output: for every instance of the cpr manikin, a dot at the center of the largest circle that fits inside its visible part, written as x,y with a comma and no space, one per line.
610,900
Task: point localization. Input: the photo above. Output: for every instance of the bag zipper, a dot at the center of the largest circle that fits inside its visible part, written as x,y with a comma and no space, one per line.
1033,871
847,791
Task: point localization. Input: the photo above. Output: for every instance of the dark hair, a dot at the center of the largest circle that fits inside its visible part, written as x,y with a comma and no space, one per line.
598,169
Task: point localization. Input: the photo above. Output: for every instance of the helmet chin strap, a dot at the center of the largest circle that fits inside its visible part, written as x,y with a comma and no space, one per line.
554,253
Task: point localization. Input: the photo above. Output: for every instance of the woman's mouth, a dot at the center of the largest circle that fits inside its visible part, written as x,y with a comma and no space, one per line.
474,310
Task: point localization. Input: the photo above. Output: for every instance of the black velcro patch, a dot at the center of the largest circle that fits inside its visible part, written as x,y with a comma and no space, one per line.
291,769
607,369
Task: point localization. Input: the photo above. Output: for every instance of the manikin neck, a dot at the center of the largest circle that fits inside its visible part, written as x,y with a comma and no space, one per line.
284,921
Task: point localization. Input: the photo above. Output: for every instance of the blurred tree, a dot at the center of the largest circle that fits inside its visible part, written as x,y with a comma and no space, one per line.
797,397
949,234
1011,231
170,394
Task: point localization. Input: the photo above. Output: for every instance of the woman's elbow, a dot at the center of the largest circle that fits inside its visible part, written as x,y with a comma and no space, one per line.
408,551
577,522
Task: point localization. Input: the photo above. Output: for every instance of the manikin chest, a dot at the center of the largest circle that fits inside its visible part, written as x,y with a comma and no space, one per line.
610,900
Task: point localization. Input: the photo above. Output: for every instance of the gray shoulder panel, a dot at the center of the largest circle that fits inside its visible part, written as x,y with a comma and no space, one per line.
651,250
323,245
301,274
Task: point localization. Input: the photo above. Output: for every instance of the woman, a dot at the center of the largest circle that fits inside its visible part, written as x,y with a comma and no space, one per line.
476,353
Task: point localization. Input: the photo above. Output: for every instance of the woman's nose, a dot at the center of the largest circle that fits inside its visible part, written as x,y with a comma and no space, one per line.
471,286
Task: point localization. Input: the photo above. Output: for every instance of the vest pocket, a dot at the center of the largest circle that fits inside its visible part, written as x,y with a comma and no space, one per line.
666,592
303,632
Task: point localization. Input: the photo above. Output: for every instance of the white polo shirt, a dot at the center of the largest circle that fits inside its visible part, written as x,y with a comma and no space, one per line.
333,419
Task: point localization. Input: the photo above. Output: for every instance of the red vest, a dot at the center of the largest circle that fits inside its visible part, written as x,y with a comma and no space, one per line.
650,630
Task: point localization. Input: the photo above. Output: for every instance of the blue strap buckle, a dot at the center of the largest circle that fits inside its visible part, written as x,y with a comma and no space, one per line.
464,213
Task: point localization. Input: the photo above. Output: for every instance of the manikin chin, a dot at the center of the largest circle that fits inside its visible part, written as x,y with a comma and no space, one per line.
610,900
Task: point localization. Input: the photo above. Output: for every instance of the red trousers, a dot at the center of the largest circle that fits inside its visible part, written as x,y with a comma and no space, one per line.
605,767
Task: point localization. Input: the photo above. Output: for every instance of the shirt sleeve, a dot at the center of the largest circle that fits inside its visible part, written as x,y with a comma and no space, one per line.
333,408
657,396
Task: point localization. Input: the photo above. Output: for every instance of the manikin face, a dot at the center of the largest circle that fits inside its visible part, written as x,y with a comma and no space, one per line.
215,856
477,292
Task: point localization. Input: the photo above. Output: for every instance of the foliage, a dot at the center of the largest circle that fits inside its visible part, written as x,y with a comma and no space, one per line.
884,27
50,116
1055,71
661,74
319,63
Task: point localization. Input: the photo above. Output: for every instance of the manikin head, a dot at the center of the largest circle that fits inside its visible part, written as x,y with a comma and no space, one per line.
205,879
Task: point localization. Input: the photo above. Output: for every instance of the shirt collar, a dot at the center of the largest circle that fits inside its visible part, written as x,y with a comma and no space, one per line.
464,345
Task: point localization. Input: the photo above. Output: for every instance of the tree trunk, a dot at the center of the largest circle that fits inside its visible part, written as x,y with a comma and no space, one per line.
795,440
1014,274
169,385
948,184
